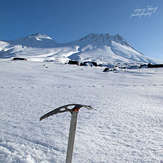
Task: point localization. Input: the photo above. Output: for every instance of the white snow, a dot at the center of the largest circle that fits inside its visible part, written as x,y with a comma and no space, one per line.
3,45
125,126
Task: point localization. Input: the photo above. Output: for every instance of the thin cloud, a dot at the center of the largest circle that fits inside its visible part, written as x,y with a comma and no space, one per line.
148,11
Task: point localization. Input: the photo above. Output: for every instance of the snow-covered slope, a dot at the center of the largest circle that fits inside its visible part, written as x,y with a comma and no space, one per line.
36,41
101,48
105,48
125,127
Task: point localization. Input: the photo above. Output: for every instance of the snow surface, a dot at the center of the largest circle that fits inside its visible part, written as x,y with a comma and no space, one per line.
125,126
100,48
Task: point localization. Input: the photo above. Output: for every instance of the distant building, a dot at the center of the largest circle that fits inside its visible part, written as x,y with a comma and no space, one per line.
155,65
20,59
71,62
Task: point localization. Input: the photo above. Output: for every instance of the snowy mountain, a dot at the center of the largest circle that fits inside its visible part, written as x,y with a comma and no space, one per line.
101,48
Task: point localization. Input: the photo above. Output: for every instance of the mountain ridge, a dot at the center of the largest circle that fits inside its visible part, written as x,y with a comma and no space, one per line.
101,48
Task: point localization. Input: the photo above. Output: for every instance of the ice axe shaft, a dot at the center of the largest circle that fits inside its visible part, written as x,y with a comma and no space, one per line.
71,139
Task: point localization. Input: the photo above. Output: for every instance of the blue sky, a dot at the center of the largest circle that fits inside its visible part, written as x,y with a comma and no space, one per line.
67,20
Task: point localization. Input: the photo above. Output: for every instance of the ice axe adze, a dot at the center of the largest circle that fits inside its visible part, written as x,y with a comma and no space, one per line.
74,113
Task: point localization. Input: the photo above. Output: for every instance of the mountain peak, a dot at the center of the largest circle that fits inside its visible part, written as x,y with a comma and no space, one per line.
118,37
103,36
96,35
100,39
39,36
36,40
95,38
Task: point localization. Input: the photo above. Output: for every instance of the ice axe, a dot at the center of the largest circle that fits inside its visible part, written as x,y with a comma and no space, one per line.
74,113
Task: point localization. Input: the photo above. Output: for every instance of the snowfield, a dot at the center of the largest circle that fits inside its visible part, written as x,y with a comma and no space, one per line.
125,126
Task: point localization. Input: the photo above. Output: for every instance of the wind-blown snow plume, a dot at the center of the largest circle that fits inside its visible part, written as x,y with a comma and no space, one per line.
148,11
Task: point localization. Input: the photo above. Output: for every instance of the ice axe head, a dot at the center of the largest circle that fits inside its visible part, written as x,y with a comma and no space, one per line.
65,108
